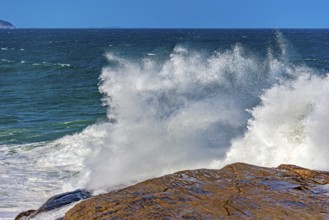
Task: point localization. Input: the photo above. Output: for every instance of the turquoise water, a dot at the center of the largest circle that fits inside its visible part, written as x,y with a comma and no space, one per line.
103,108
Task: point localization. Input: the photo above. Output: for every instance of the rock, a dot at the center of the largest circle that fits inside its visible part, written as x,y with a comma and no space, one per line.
6,25
57,202
25,214
64,199
238,191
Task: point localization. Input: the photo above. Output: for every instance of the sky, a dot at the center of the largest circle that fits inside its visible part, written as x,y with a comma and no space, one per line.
166,13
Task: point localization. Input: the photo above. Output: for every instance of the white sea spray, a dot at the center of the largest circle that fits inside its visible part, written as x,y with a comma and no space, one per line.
195,111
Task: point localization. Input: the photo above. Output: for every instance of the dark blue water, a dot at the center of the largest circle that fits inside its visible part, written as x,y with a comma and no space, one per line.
144,102
48,78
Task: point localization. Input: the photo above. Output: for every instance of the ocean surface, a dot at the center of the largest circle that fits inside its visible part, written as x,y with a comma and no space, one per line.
103,108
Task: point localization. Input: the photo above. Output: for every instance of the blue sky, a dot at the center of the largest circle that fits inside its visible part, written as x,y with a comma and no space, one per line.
166,13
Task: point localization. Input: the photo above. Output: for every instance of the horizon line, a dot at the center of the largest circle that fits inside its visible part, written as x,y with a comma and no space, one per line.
172,28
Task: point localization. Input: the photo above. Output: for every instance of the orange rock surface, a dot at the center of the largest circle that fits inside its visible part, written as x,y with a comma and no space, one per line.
238,191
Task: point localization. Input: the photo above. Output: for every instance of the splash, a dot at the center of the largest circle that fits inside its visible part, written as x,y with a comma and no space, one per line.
290,125
195,111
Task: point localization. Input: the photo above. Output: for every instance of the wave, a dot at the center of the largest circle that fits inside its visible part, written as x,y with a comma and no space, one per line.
196,110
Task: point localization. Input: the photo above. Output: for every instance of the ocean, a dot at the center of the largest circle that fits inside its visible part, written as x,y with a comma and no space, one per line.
100,109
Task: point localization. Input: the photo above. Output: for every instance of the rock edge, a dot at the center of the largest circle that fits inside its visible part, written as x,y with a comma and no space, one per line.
237,191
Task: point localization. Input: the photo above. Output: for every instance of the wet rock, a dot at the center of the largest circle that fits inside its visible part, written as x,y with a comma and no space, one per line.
238,191
25,214
55,202
64,199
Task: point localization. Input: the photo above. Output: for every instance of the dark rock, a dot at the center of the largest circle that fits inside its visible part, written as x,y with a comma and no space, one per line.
57,202
25,214
238,191
64,199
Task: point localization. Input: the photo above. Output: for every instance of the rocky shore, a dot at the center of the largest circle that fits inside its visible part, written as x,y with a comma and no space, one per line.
237,191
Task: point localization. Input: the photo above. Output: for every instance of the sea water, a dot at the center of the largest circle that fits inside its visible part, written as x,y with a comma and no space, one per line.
100,109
